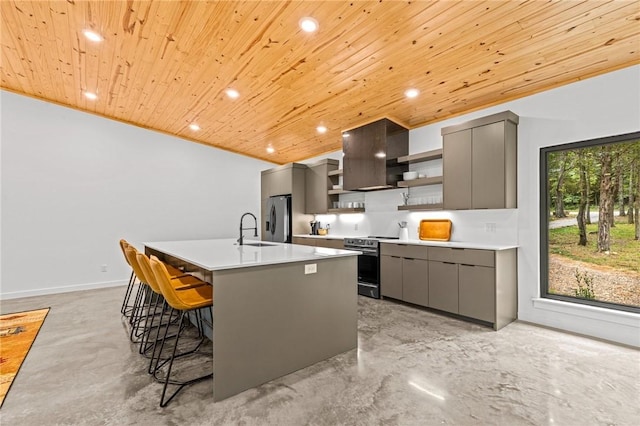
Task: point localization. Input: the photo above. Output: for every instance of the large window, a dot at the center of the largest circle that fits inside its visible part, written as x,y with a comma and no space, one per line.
590,223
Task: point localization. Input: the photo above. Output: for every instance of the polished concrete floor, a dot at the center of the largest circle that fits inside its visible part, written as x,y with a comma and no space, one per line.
412,367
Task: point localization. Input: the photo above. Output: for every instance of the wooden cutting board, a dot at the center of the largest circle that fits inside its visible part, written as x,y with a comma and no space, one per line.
435,229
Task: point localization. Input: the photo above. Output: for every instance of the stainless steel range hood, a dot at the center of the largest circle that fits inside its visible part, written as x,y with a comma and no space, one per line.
371,155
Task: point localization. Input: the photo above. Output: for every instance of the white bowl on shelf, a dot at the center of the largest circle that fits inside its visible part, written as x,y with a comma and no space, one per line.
409,175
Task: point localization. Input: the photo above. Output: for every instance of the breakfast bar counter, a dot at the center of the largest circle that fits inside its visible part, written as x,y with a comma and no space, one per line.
277,307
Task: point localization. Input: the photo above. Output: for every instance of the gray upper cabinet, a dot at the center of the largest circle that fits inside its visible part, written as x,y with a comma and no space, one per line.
278,182
456,168
318,183
287,179
479,163
371,155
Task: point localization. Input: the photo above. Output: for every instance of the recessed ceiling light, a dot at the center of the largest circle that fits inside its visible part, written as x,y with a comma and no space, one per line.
346,135
270,150
232,93
92,35
308,24
411,93
321,129
381,154
194,127
90,95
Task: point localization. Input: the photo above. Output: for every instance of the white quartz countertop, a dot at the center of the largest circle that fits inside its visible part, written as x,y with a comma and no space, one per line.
215,255
452,244
323,237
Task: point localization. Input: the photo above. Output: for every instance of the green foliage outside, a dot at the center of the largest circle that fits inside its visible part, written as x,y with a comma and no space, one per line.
585,285
625,251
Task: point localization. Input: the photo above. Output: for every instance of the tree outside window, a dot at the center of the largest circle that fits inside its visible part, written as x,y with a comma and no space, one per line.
590,222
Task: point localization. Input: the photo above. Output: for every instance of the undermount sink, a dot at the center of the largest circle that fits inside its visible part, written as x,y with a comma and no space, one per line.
259,244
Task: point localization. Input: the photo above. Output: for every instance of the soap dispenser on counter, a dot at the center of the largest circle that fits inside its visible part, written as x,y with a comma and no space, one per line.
404,231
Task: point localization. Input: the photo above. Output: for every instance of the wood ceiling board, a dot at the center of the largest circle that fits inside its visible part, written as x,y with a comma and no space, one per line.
165,64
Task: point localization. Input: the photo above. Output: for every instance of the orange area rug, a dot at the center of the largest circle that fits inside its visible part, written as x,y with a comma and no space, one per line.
17,333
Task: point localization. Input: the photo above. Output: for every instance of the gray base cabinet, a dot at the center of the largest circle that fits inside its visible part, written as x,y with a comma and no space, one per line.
415,274
476,292
319,242
391,276
404,273
443,286
478,284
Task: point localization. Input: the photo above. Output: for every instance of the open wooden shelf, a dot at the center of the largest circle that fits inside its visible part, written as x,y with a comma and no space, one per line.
421,207
335,172
339,191
420,182
421,156
347,210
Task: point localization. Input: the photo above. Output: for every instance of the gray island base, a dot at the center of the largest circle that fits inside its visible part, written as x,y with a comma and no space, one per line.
272,314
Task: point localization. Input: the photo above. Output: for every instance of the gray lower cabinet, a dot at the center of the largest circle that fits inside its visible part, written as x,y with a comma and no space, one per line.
336,243
404,273
443,286
415,288
330,243
304,241
476,292
479,284
391,276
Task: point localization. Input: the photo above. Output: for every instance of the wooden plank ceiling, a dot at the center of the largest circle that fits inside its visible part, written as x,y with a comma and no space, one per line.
166,64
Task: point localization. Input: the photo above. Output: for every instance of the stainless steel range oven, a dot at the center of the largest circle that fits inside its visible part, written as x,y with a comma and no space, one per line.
368,264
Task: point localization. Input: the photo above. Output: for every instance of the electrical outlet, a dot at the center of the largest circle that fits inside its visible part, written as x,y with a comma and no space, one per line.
490,227
103,268
311,269
355,226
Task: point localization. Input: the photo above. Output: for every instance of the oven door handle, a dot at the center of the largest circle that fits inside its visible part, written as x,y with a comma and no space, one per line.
367,252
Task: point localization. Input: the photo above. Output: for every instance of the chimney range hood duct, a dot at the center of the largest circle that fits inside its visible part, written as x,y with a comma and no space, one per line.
371,156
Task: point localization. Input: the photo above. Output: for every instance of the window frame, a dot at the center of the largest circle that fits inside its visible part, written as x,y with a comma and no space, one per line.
544,220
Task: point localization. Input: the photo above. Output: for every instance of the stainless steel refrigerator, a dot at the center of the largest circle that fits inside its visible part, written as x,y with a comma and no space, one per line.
277,224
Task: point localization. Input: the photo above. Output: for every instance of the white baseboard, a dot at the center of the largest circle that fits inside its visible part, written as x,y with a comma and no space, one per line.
64,289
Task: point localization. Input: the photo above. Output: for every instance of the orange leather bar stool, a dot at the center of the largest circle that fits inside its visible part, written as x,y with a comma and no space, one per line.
185,301
126,309
178,283
150,297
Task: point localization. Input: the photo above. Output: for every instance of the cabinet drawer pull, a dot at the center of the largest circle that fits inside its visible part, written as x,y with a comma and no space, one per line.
409,258
457,248
449,263
466,264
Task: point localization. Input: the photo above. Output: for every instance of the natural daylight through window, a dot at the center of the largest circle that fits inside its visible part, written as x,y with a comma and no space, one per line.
590,222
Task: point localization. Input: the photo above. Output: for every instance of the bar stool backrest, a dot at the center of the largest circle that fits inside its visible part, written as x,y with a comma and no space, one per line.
145,266
123,245
131,253
163,279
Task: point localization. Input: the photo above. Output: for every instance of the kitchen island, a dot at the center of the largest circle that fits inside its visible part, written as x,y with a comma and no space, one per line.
277,307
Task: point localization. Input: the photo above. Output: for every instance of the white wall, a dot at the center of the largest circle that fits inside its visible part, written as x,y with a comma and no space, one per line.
601,106
74,183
